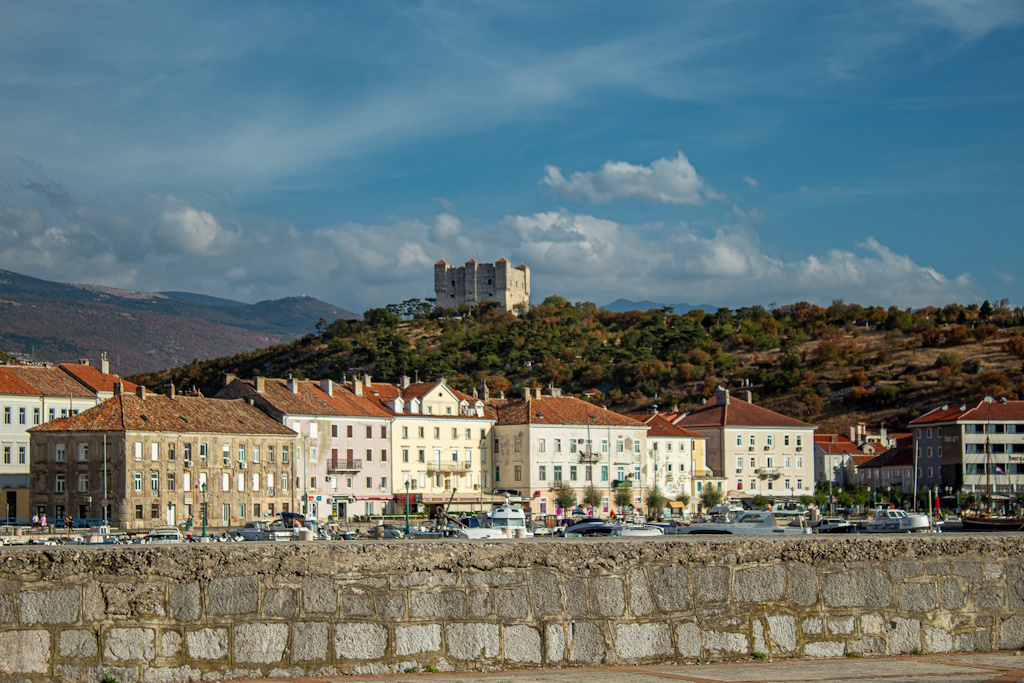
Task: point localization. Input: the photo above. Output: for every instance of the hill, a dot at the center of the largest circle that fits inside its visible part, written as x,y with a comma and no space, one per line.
141,331
623,305
834,367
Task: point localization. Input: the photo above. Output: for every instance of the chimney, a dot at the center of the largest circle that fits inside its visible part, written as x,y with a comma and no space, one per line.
327,386
104,364
501,395
483,390
357,387
722,396
118,388
882,432
169,389
140,391
748,396
851,433
404,382
475,395
366,380
536,392
293,385
527,394
261,385
229,378
556,392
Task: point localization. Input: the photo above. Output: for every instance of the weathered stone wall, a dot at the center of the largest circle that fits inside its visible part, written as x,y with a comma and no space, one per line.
204,612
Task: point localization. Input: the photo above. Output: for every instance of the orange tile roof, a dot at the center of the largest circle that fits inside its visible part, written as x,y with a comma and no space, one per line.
50,381
11,383
895,457
737,413
1009,411
562,410
93,378
160,413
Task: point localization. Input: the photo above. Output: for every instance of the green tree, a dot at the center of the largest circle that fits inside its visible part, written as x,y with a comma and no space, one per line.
710,497
591,497
761,501
683,497
656,500
623,498
565,497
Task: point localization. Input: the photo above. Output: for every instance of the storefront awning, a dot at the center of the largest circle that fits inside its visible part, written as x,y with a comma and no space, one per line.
677,504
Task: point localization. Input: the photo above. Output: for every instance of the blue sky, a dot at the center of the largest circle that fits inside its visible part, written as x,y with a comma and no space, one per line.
731,153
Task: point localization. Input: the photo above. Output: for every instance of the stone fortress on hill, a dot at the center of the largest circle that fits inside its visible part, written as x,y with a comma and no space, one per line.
475,283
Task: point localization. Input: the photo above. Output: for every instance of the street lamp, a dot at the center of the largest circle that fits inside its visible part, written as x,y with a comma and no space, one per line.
204,509
407,507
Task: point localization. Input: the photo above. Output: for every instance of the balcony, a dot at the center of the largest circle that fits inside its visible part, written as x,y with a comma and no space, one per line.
589,458
449,467
344,464
623,483
769,472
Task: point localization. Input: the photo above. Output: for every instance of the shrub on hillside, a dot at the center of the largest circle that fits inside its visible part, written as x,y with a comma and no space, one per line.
1015,346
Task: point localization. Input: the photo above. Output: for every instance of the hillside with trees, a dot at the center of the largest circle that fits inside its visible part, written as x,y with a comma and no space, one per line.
832,366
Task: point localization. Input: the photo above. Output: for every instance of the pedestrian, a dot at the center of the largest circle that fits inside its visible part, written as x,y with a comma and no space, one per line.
35,520
42,520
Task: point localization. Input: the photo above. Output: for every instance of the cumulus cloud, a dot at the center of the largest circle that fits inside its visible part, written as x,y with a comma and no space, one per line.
666,181
167,243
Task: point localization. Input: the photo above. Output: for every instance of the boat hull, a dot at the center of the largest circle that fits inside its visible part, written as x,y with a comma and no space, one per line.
993,523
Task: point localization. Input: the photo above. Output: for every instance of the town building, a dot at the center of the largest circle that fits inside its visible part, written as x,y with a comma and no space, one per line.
758,451
543,440
31,395
475,283
892,469
439,437
343,459
674,456
972,448
152,459
834,458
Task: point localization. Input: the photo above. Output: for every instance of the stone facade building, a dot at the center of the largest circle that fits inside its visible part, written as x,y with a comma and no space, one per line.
475,283
158,453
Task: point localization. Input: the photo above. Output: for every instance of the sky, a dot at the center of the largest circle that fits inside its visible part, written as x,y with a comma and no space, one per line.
724,153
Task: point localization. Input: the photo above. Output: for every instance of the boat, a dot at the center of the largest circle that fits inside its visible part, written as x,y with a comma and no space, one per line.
164,534
895,521
761,522
509,516
833,525
992,523
637,530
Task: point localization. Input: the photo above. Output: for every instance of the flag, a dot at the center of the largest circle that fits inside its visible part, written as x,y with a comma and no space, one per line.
999,469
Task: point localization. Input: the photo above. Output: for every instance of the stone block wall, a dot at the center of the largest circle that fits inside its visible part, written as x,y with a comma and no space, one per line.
253,610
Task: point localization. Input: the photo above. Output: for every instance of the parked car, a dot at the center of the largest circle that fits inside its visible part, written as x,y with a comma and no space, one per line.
164,534
260,530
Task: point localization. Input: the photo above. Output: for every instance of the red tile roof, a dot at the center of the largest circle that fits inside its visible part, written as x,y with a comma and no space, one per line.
50,381
310,399
93,378
895,457
662,427
737,413
11,383
1009,411
160,413
385,393
835,444
562,410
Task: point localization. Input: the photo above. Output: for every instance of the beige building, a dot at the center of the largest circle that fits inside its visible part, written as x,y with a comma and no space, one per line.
676,460
543,440
439,442
756,450
156,458
475,283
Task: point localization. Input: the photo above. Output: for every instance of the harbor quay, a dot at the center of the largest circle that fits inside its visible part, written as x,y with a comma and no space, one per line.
286,610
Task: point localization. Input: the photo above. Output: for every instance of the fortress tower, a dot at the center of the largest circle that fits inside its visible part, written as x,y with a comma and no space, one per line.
475,282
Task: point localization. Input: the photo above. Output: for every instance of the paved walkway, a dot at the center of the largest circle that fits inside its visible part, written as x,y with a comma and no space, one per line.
997,667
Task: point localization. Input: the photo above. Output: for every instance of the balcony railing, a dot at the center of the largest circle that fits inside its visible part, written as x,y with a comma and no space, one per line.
769,472
344,464
449,466
589,458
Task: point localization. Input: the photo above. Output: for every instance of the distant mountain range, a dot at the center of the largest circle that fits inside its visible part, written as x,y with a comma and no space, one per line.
623,305
142,331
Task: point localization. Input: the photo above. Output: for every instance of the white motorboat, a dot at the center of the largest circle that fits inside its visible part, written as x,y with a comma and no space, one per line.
510,516
637,530
749,522
894,521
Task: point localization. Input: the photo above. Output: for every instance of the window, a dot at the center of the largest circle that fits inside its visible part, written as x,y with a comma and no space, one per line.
312,454
422,455
241,511
558,445
154,483
154,451
138,512
636,445
455,432
270,454
483,456
495,446
931,472
558,473
420,432
255,481
83,452
929,432
739,439
7,455
799,462
770,440
455,455
542,473
170,451
787,484
284,482
799,440
7,415
202,452
225,481
334,431
284,455
497,474
226,454
348,431
186,481
929,451
589,473
241,454
52,413
786,464
21,416
604,445
170,482
518,444
58,453
799,483
256,454
186,451
202,481
753,463
369,432
572,445
369,482
541,446
469,433
619,446
37,415
383,482
405,455
604,472
620,473
405,432
739,462
240,482
154,510
369,455
138,482
753,440
785,440
572,472
437,432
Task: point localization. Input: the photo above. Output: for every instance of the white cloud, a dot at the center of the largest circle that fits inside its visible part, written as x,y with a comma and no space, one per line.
191,230
666,181
972,19
750,181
